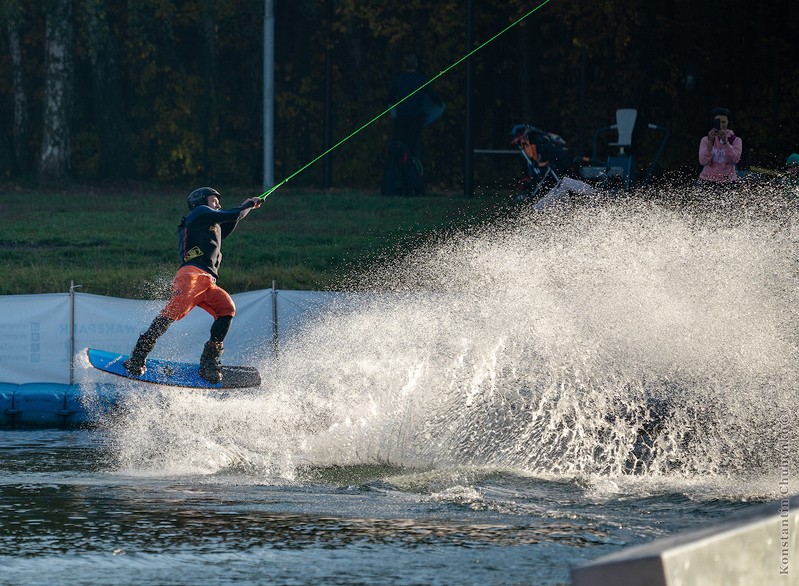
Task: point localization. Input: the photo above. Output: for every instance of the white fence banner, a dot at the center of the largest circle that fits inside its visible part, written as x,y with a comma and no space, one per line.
38,332
34,338
250,338
296,307
112,324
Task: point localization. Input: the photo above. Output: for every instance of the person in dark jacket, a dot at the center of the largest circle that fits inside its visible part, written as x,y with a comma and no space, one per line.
200,236
409,116
403,174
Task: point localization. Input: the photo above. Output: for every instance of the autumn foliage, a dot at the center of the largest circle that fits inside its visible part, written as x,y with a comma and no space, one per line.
172,90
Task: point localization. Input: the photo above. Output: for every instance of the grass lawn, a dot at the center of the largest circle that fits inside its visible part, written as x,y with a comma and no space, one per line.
121,241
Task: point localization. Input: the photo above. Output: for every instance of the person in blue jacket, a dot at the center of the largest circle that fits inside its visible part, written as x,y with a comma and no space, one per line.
409,117
200,236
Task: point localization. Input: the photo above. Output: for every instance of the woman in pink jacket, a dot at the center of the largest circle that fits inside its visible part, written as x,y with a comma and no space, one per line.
719,151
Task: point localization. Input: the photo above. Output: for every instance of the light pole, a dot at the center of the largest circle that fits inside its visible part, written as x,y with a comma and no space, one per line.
269,94
468,162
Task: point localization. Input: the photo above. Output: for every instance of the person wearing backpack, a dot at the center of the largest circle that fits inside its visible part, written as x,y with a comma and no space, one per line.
403,174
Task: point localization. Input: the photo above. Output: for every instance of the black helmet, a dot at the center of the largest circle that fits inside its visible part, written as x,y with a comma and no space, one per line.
198,196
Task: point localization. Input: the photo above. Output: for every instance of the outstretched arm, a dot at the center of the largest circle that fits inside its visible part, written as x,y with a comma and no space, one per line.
236,214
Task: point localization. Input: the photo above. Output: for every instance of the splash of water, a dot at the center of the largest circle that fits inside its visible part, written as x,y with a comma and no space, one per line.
628,337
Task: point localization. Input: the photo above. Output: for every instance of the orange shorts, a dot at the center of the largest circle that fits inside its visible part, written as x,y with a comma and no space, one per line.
192,287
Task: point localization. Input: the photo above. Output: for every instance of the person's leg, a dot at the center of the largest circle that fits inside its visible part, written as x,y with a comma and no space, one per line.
220,305
187,290
409,132
406,147
136,364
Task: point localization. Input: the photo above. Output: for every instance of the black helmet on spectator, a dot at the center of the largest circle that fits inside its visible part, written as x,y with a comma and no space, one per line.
200,196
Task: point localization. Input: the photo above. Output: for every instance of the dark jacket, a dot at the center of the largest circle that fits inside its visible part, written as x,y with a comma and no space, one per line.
405,83
201,232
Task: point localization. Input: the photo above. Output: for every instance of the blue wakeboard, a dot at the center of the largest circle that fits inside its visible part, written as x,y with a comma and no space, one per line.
176,374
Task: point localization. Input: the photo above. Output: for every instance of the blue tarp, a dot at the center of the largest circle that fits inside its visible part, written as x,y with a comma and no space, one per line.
55,405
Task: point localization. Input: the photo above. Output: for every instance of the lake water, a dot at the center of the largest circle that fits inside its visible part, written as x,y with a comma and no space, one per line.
70,516
527,398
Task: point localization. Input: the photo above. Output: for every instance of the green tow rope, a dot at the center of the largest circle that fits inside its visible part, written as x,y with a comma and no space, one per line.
269,191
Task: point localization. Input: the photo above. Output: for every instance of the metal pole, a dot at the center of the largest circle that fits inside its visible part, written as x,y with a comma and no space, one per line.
275,346
468,163
583,59
72,287
269,93
327,162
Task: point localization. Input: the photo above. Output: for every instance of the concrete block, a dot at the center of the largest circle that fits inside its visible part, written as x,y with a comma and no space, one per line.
759,546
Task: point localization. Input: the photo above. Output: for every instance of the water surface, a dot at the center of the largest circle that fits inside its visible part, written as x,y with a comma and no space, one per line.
515,401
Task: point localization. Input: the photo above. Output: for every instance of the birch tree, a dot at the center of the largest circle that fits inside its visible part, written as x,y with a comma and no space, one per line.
20,135
56,144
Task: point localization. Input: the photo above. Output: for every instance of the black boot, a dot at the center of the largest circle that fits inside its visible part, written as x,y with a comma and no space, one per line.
136,364
210,367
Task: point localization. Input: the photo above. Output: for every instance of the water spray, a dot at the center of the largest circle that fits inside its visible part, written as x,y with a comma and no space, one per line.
269,191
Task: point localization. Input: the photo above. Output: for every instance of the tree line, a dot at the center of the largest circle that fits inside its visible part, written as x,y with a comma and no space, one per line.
161,90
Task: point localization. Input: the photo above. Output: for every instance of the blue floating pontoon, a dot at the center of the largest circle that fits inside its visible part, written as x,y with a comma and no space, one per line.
55,405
